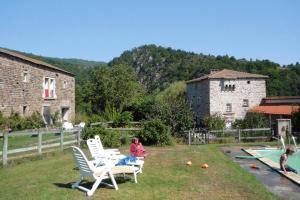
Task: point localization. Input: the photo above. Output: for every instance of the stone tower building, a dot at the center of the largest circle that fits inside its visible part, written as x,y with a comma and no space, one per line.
28,85
227,93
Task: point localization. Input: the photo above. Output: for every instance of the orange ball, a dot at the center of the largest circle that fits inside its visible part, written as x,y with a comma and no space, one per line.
204,166
189,163
253,166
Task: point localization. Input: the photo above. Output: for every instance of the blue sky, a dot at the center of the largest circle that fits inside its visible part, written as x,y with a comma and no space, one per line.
101,30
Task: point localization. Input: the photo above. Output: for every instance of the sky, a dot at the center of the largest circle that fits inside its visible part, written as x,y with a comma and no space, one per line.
101,30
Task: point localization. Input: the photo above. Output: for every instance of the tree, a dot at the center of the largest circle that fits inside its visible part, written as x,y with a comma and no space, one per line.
214,122
296,121
173,109
253,120
115,86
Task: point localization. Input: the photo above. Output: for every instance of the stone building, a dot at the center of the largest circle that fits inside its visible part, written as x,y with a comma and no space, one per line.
28,85
227,93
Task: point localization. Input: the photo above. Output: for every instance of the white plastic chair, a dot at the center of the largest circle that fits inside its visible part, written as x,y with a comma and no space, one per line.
112,151
139,163
99,154
67,126
87,169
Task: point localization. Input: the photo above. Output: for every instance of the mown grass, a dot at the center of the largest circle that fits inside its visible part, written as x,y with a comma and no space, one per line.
165,176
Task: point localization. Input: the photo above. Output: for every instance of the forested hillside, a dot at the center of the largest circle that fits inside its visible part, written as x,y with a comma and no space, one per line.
157,67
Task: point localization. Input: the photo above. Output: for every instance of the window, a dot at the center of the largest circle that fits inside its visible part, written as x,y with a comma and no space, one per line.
65,83
49,88
24,110
245,103
229,87
25,76
228,107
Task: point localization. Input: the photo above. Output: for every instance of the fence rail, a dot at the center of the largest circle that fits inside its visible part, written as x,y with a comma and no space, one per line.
108,125
203,136
73,134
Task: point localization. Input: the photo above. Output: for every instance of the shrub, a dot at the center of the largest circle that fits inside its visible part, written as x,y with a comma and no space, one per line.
55,118
16,122
2,119
35,120
154,132
111,139
123,119
79,117
96,118
125,139
252,120
108,138
214,122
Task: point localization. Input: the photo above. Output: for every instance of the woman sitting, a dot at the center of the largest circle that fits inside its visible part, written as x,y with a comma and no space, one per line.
137,149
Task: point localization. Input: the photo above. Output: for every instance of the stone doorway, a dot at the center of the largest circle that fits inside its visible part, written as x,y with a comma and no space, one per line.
65,111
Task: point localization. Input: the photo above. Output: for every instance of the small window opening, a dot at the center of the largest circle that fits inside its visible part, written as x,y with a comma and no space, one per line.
228,107
245,103
25,77
24,110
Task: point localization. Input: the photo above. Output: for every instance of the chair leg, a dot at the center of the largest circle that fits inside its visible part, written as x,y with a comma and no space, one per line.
76,184
112,178
134,175
95,186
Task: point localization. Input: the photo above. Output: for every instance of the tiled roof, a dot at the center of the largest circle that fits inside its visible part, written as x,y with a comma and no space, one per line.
35,61
276,109
227,74
282,97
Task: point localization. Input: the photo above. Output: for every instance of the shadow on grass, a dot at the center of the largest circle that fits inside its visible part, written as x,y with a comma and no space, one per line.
89,184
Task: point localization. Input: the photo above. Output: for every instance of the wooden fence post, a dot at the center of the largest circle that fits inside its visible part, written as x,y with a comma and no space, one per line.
207,133
189,137
78,137
39,142
5,148
61,139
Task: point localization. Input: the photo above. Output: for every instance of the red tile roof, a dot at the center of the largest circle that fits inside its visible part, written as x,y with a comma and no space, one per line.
227,74
282,97
276,109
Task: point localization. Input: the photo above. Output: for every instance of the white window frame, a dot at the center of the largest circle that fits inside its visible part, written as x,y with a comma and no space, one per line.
50,86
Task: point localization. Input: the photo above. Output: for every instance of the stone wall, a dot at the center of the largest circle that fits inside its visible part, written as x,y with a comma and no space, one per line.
26,97
198,96
210,96
252,90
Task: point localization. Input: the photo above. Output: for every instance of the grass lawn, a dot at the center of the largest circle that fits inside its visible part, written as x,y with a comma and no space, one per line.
165,176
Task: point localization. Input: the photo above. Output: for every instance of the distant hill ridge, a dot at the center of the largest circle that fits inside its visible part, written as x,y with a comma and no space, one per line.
157,67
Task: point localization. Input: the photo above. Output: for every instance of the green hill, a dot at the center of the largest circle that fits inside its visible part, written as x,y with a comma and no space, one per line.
157,67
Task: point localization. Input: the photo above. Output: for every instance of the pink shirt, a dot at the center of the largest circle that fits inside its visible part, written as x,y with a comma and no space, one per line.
137,150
